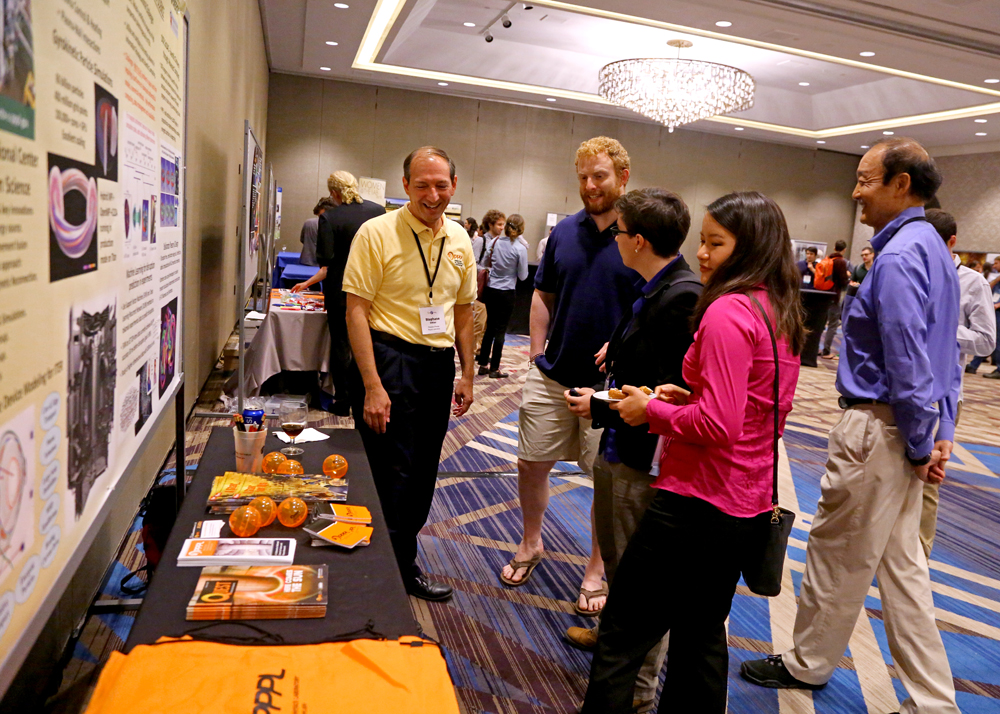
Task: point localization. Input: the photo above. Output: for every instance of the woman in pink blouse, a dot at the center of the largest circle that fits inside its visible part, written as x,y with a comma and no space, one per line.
681,567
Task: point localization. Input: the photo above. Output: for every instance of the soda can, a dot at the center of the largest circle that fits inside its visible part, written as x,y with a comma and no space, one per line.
253,413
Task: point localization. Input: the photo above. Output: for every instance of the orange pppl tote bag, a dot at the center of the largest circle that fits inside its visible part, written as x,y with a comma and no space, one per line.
174,676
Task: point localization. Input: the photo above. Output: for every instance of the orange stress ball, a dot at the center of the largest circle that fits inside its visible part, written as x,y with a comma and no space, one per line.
272,461
245,521
292,512
335,466
290,467
267,509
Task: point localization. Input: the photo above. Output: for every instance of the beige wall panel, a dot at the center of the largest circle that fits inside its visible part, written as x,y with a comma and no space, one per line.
548,180
971,192
400,123
500,150
449,126
348,111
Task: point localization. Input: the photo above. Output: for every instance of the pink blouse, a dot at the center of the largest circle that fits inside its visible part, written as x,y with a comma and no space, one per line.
718,447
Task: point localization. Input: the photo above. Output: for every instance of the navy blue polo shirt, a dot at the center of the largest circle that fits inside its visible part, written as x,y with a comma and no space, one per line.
593,291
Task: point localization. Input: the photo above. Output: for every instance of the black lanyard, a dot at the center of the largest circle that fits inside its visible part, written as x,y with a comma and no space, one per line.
427,270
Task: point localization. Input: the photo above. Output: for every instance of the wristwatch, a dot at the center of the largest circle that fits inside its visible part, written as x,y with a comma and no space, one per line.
922,461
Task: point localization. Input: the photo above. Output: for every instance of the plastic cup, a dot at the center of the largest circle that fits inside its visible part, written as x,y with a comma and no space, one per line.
249,450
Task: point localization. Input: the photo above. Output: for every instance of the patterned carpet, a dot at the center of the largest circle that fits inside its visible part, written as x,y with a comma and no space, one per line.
504,646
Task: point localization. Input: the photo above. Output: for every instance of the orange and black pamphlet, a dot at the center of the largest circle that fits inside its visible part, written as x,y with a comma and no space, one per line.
259,592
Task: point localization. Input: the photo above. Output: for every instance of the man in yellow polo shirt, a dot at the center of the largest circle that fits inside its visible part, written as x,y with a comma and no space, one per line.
410,284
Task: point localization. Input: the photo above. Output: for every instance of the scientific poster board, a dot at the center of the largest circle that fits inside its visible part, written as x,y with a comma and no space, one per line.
253,211
92,107
372,189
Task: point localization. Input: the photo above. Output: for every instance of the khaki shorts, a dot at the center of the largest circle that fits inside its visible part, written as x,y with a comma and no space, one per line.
548,430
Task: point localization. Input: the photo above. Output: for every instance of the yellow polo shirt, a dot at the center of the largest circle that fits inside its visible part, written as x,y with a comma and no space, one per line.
385,267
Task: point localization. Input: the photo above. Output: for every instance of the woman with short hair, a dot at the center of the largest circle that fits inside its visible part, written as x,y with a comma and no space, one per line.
507,259
680,570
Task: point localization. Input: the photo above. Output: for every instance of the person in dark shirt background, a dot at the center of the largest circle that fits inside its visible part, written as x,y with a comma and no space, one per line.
841,278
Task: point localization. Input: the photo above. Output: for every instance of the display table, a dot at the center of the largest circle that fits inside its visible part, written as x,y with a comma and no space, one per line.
364,583
292,340
291,275
816,305
281,261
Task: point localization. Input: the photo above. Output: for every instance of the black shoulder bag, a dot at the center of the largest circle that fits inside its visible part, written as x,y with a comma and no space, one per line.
765,554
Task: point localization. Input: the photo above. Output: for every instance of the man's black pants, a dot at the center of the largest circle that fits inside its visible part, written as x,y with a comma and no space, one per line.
679,573
404,460
341,357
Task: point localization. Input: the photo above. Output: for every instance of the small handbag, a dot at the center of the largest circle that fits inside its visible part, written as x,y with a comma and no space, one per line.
483,274
765,551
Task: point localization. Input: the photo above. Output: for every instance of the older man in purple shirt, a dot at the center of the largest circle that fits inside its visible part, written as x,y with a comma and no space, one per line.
899,378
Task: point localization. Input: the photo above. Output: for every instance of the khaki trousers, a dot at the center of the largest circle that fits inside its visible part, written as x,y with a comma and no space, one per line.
478,323
621,496
928,514
867,524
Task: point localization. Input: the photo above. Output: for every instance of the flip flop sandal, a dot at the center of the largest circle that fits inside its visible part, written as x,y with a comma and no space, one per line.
587,595
529,566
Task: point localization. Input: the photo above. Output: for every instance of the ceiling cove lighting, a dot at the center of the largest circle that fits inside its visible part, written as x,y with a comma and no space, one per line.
387,13
675,92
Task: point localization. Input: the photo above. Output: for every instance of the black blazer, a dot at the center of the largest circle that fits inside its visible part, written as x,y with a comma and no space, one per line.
648,351
337,228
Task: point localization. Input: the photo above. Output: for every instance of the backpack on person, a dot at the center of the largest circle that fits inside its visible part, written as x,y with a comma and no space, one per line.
823,279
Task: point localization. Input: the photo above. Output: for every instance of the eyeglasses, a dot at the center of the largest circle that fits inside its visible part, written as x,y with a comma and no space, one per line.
615,231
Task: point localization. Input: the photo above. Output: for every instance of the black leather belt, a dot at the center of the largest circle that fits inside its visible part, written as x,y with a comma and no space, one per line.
848,402
403,346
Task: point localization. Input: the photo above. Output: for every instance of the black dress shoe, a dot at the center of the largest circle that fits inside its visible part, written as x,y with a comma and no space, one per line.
484,369
426,589
497,374
771,673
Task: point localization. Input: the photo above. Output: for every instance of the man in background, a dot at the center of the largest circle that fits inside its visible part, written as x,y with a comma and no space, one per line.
841,277
493,223
860,271
807,267
308,235
977,336
410,283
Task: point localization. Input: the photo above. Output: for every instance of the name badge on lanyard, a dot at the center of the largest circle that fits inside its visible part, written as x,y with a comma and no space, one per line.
432,320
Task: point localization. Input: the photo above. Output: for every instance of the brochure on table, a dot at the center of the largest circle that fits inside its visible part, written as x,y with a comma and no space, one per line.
92,107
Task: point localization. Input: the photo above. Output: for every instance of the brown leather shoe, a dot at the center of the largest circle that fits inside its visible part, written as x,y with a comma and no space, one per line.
583,638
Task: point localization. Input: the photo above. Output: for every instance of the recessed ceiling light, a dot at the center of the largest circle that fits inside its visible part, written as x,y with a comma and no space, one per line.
992,81
739,128
442,84
550,99
865,146
820,141
888,133
341,5
867,54
981,121
469,24
803,84
325,69
980,133
723,23
331,43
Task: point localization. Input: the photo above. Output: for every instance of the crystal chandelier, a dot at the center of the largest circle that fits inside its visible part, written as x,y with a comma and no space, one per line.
675,91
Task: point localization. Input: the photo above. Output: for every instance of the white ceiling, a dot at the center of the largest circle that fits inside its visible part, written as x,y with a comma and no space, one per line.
930,61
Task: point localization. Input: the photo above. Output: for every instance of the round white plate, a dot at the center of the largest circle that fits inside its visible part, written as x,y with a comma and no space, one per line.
603,396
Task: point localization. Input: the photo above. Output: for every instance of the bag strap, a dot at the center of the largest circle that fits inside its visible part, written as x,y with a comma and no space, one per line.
489,259
774,346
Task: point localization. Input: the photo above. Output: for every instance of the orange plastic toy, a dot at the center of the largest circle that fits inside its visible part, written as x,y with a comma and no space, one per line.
272,461
335,466
290,467
267,508
292,512
245,521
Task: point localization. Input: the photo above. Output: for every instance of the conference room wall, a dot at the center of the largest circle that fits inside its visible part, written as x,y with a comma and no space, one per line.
228,81
971,192
520,159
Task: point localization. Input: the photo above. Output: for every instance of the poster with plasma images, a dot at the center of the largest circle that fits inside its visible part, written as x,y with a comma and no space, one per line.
91,253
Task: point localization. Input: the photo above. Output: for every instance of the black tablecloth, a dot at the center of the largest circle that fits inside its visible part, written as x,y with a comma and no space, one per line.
816,305
364,583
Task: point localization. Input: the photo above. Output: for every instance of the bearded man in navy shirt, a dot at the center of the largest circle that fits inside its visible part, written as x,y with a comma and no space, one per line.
899,377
